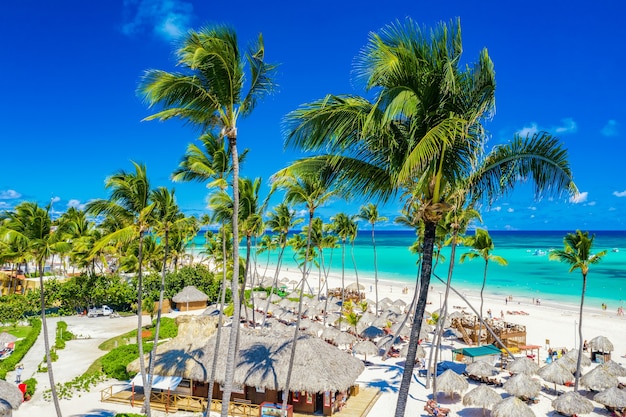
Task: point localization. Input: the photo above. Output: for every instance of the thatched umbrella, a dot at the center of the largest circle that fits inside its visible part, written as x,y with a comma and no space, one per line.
10,398
372,332
480,368
598,379
601,344
262,361
345,338
612,397
315,329
573,354
6,338
355,287
522,385
275,298
482,396
365,348
330,333
572,403
190,294
524,365
555,373
614,368
421,353
451,383
511,407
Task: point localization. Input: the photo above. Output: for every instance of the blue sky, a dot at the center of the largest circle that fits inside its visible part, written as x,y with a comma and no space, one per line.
71,116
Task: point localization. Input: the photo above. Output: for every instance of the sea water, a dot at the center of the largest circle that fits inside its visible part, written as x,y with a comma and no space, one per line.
529,273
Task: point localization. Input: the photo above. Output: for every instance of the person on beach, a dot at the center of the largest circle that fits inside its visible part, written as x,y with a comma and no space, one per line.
18,373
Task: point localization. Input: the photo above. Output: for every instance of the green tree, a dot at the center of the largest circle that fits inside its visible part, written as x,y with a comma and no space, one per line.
482,245
577,253
369,213
421,135
129,204
211,95
31,226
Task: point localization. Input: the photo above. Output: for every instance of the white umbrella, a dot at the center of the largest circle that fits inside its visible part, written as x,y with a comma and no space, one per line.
482,396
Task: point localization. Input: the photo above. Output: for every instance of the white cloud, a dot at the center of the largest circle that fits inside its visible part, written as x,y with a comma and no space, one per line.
533,208
498,208
168,19
4,205
55,199
76,204
591,203
510,210
579,198
9,195
528,130
568,126
611,128
619,193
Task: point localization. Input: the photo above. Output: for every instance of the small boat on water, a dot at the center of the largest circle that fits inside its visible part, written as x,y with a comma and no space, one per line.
615,250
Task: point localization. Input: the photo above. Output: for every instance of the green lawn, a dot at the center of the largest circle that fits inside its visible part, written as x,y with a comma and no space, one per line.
19,331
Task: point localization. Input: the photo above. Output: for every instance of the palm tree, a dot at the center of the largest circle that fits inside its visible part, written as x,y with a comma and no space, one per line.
129,204
482,245
422,134
281,220
313,191
210,95
369,213
342,226
577,254
30,226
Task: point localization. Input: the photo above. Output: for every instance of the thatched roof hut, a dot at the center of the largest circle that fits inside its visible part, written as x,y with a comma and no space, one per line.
190,298
10,398
262,361
6,338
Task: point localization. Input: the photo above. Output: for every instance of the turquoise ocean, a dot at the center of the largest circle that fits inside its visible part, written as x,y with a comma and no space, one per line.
529,273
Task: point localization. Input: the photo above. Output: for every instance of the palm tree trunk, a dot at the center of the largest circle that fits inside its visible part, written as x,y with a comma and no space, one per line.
482,289
375,269
220,319
297,329
420,307
444,311
356,272
229,372
279,262
157,326
242,296
580,333
343,273
46,341
142,364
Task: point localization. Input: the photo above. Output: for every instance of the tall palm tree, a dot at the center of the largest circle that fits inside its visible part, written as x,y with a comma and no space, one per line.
369,213
423,134
342,226
281,221
313,191
31,227
577,253
129,204
210,94
482,245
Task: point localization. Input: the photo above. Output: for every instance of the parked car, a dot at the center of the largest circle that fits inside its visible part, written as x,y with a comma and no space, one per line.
101,311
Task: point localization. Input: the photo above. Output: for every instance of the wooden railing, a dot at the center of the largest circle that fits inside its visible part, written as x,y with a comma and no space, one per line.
106,393
237,408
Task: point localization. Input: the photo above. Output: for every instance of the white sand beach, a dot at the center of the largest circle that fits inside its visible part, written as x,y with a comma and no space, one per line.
558,323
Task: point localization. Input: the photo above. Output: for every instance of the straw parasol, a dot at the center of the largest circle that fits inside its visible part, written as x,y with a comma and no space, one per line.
614,368
262,361
522,385
365,348
573,354
482,396
555,373
524,365
330,333
572,403
600,344
451,383
598,379
10,397
480,368
6,338
421,353
612,397
345,338
372,332
511,407
355,287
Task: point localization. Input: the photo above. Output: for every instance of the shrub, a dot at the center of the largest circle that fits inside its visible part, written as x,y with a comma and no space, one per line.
114,363
21,348
31,385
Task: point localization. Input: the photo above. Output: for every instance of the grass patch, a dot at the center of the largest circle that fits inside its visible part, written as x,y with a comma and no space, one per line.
168,330
20,331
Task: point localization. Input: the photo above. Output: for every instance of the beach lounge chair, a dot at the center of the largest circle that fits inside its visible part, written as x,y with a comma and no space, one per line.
433,409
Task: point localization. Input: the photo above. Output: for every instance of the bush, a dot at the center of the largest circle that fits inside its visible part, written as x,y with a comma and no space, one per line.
31,385
21,348
168,329
114,363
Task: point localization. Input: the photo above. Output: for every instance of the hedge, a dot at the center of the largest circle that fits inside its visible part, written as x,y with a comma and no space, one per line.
21,348
114,363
